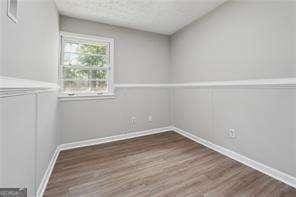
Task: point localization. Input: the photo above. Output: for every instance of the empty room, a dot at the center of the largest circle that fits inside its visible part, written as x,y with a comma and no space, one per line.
148,98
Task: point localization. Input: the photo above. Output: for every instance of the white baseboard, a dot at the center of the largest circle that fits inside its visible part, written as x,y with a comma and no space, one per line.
113,138
276,174
84,143
45,179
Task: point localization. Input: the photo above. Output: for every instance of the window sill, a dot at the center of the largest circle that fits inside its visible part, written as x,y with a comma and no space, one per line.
65,97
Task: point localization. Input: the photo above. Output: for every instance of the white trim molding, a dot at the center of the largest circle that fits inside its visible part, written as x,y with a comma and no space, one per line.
46,176
280,82
252,83
113,138
273,83
86,97
10,86
144,85
86,37
276,174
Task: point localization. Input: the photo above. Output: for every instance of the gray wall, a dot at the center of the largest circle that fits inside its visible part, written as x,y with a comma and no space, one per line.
28,124
1,37
240,40
28,139
1,115
18,142
30,47
140,57
81,120
48,134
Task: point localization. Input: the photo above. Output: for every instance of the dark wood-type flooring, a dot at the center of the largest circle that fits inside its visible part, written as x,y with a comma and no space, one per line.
165,164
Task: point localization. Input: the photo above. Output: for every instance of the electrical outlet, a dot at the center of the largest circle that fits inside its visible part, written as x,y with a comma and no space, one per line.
150,118
133,120
231,133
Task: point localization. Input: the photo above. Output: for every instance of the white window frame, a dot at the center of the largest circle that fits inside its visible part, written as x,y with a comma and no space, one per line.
85,39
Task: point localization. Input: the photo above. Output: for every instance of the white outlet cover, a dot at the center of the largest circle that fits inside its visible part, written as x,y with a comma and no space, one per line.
231,133
150,118
133,120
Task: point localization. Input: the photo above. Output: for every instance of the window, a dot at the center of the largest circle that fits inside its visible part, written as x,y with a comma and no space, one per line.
86,65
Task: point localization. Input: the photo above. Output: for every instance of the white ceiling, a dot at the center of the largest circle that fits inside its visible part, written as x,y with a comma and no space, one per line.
159,16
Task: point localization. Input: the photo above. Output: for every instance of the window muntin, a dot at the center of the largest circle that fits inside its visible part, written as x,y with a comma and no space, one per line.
86,65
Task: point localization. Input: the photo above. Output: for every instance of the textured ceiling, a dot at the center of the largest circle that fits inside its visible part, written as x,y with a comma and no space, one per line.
159,16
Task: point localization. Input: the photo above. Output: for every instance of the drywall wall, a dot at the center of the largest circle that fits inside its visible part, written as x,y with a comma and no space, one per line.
28,124
28,138
30,47
1,38
140,57
1,114
47,134
294,133
240,40
81,120
18,142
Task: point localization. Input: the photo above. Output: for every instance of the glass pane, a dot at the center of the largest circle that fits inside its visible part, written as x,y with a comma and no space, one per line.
71,59
92,60
93,55
85,54
71,47
95,49
99,86
81,59
71,73
76,86
66,59
98,74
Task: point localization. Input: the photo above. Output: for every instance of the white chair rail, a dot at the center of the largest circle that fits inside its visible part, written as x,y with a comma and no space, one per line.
10,86
15,86
255,83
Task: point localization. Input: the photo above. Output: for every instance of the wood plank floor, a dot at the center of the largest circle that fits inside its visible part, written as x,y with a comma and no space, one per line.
165,164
